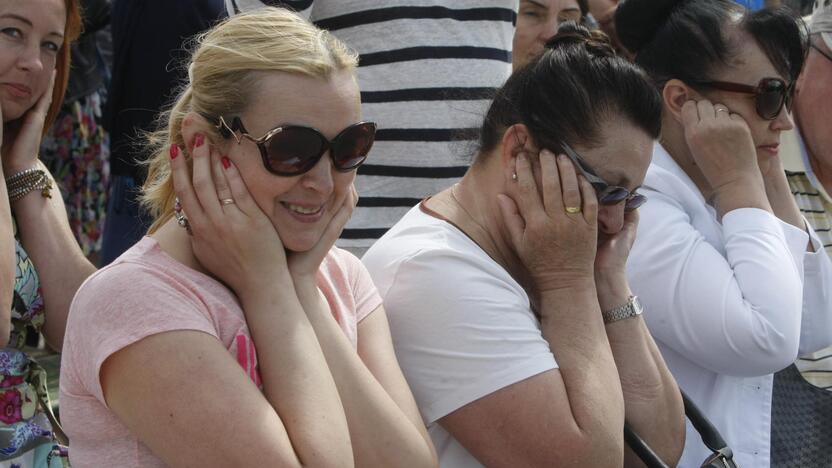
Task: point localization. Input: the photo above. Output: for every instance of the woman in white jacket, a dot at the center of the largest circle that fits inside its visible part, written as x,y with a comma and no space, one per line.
733,280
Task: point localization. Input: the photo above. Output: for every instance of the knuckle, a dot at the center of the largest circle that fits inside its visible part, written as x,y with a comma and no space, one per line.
571,194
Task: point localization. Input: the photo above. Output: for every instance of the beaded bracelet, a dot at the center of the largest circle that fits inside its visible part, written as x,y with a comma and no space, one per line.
20,184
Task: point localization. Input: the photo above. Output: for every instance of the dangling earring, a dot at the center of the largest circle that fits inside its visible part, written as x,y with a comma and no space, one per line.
181,220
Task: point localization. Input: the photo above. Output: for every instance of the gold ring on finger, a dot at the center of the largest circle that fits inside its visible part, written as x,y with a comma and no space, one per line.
227,201
573,209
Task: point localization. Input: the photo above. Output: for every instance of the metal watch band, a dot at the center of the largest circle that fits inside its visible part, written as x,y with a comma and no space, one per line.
631,309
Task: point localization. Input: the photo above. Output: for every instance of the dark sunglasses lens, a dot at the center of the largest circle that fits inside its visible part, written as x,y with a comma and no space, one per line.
351,147
613,195
294,150
635,202
771,99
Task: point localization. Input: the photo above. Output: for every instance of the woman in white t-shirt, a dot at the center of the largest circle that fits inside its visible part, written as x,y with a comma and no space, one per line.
507,296
734,281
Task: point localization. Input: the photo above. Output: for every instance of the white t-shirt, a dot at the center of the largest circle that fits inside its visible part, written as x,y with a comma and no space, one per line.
462,326
428,70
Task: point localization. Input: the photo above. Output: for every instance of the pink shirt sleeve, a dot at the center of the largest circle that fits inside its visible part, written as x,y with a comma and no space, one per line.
367,298
122,305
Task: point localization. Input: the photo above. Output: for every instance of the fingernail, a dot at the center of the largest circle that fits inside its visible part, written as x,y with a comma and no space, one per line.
199,140
226,163
547,153
174,151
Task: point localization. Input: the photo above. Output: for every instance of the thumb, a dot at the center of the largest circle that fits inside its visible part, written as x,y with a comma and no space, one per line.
512,219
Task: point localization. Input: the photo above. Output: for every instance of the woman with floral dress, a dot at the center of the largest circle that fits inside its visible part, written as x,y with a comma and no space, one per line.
39,257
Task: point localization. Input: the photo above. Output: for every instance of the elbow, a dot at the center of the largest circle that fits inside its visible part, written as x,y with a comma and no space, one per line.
598,452
773,353
426,460
603,449
659,419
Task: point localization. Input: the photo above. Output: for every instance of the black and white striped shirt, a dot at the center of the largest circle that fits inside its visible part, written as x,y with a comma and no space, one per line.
427,71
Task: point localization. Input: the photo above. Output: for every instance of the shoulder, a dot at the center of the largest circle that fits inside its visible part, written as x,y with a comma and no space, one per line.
139,290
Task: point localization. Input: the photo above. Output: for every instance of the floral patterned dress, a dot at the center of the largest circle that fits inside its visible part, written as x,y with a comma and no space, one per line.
26,436
77,152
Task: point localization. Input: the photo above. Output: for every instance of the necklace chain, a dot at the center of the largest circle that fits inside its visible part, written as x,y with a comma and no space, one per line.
459,204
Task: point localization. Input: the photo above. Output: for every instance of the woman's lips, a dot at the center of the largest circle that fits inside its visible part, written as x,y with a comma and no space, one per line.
304,213
773,149
18,90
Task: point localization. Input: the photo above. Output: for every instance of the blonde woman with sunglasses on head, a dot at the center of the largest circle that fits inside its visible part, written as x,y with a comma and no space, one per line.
236,334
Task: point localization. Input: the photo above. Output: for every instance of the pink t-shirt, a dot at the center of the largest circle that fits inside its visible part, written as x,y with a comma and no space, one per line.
146,292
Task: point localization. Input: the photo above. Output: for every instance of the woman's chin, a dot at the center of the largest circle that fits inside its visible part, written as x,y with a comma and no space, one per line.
11,110
300,242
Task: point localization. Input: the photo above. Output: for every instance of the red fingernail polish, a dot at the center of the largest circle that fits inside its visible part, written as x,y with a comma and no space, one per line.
199,140
226,163
174,151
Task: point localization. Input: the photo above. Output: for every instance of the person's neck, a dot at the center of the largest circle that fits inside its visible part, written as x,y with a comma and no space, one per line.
175,241
475,211
673,141
822,170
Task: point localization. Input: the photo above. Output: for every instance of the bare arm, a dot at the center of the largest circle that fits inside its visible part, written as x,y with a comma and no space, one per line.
43,226
385,426
45,234
239,245
7,264
199,408
653,403
572,416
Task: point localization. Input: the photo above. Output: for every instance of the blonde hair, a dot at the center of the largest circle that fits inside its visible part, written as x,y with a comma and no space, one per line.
223,72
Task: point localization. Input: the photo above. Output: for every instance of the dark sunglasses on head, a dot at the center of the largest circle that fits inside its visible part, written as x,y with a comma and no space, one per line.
291,150
607,194
770,94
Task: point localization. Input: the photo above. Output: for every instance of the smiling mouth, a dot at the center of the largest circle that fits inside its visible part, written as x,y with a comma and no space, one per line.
303,210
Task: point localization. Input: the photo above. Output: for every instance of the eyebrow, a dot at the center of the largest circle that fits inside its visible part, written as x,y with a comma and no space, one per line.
17,17
537,4
26,21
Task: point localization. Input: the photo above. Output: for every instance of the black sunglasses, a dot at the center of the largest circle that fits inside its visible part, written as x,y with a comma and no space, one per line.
770,94
607,194
291,150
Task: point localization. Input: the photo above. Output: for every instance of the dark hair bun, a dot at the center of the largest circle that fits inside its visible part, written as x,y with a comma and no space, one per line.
571,33
638,21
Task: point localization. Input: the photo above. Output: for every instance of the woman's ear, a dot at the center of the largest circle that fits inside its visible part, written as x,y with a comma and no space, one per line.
675,94
516,140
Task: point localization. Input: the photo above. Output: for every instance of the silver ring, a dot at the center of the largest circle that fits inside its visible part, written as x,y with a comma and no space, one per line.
227,201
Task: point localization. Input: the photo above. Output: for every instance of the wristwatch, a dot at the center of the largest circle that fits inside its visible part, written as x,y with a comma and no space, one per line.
631,309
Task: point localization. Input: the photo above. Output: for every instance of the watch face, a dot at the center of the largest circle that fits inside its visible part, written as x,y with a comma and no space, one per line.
637,307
